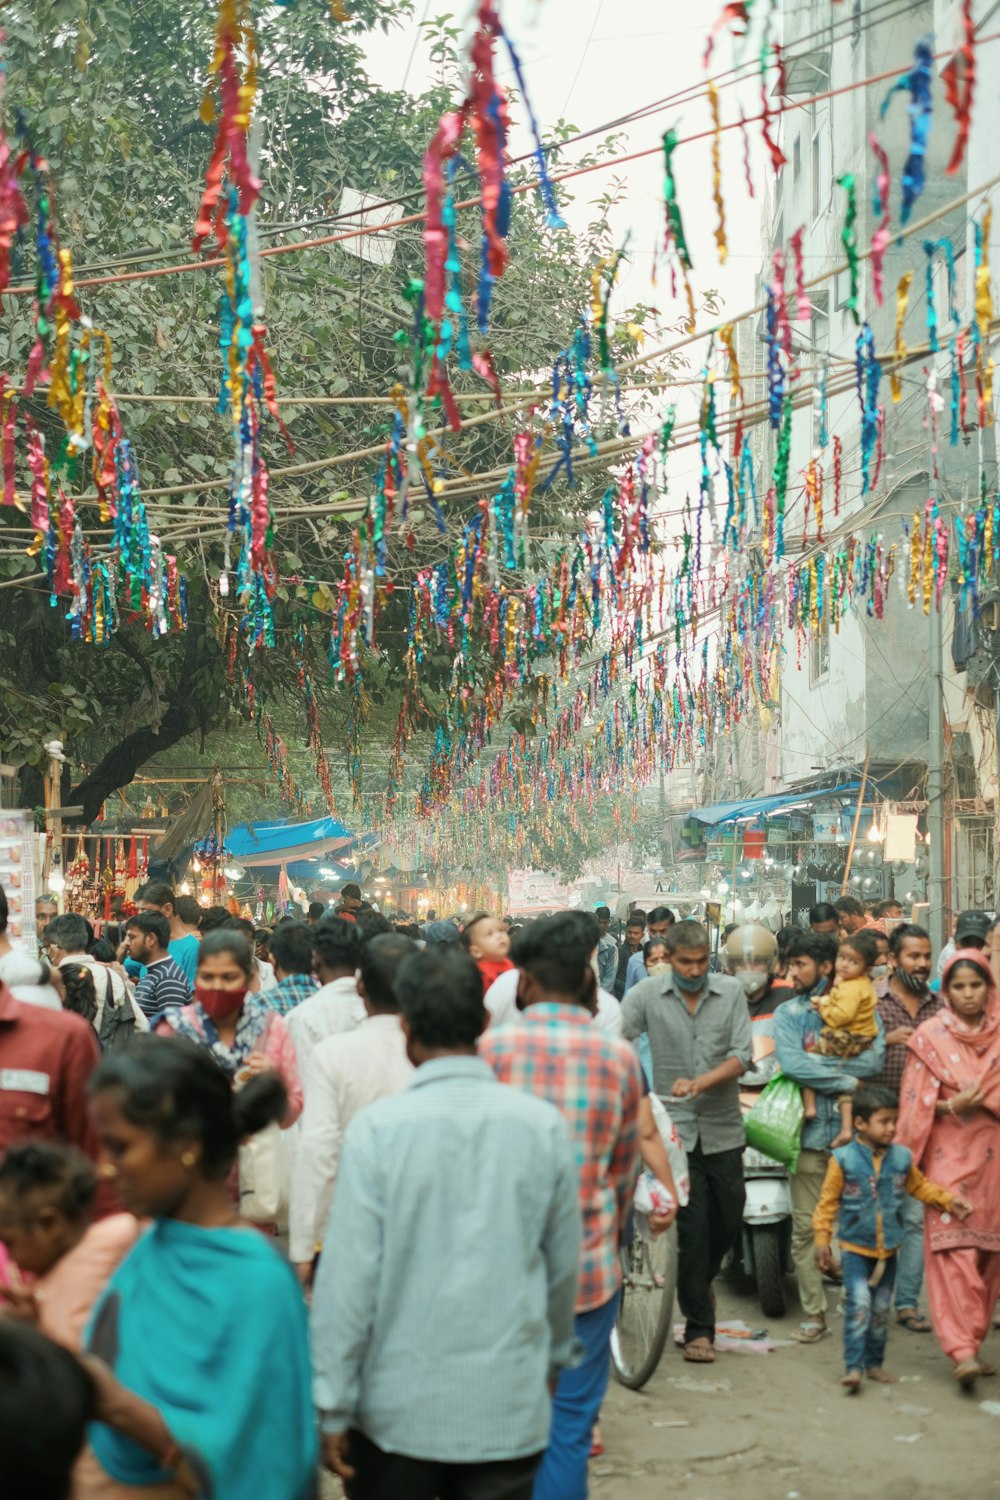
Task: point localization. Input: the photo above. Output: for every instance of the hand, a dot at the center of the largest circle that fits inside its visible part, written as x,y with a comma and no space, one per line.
961,1207
304,1271
968,1101
899,1037
257,1063
686,1088
817,1002
659,1223
106,1386
824,1258
20,1303
335,1451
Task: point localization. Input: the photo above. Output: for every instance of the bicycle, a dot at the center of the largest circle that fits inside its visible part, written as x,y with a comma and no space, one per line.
645,1313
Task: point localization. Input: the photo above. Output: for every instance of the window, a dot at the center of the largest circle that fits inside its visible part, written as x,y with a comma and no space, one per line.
819,319
815,173
797,158
819,654
856,24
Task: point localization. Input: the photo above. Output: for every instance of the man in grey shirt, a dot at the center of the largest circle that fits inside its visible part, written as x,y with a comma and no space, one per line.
699,1036
444,1300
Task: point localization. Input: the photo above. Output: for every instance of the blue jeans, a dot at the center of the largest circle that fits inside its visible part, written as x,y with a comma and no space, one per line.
575,1408
910,1274
866,1310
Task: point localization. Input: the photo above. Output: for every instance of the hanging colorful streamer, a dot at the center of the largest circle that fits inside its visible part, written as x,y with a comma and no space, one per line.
917,82
849,240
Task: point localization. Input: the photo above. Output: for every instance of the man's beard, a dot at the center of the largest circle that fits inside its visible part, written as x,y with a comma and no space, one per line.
915,983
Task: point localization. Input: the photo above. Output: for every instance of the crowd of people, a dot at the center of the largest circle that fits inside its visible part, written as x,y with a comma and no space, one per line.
398,1165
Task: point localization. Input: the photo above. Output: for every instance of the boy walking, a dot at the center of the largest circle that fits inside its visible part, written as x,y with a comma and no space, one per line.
866,1186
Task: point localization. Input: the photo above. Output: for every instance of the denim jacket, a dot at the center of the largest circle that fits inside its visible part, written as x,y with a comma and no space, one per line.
869,1196
796,1035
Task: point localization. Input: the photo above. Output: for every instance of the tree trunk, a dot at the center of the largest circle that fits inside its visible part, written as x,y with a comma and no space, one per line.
119,766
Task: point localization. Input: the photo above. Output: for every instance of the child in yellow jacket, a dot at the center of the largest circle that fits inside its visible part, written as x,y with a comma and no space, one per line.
849,1017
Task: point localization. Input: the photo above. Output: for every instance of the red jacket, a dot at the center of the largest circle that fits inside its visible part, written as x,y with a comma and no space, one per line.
46,1058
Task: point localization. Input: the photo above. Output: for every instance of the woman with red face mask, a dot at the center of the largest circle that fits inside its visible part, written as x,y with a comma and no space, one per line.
242,1032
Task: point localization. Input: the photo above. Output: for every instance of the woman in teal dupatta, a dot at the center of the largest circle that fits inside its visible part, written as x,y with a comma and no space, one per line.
199,1345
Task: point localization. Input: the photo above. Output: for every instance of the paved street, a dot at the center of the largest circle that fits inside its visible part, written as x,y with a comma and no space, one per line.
776,1426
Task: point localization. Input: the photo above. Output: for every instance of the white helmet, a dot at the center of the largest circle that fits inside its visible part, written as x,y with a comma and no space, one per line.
750,954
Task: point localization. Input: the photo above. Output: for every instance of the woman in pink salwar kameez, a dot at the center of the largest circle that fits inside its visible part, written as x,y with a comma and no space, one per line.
950,1119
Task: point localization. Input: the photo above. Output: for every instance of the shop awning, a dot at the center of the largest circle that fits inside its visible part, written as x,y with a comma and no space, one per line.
760,807
257,844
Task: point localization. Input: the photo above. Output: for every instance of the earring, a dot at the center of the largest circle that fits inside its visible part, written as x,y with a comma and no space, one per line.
188,1158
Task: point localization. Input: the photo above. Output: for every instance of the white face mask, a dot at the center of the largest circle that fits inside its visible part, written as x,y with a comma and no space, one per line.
752,980
879,971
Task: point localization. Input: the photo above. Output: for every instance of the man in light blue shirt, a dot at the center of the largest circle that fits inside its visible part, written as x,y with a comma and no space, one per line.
658,924
444,1300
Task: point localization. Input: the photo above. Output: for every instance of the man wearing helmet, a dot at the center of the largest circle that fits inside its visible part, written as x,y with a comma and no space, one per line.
750,955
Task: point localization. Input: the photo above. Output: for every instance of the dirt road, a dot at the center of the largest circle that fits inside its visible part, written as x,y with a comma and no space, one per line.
778,1427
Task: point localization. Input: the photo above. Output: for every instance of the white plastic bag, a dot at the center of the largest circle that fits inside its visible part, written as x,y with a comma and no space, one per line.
676,1154
264,1175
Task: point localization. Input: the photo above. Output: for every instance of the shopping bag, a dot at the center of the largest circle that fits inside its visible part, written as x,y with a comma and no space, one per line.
676,1154
774,1125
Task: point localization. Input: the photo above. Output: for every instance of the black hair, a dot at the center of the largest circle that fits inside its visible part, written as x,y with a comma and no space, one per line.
351,891
866,1101
212,917
727,932
821,947
883,908
65,1174
157,893
380,961
981,967
81,991
68,932
783,937
104,951
240,924
556,951
372,924
225,940
187,908
4,909
849,906
686,934
292,947
636,918
176,1089
660,914
316,910
440,996
823,912
46,1401
600,912
338,943
864,945
465,937
408,930
651,943
153,922
902,933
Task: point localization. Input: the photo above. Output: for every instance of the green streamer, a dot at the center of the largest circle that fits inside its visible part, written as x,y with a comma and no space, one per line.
781,464
675,224
849,240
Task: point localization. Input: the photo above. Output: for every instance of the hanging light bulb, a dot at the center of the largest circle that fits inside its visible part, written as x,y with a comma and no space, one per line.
875,834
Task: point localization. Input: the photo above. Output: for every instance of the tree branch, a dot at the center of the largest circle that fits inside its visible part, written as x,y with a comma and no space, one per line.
118,768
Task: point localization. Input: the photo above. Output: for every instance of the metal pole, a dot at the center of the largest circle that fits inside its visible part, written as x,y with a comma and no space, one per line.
936,876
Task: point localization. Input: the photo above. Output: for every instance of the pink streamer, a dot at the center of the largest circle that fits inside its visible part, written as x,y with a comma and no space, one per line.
880,239
803,303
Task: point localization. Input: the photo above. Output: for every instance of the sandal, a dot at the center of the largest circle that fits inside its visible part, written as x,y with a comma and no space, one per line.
914,1322
699,1352
812,1332
967,1373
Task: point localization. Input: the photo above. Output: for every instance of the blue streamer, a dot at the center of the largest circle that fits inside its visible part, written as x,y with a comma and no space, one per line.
918,83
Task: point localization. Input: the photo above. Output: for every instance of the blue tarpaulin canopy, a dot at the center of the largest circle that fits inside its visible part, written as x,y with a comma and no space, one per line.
256,844
758,807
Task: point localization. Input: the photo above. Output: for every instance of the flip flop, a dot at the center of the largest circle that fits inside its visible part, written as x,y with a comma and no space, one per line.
699,1352
913,1322
811,1333
967,1373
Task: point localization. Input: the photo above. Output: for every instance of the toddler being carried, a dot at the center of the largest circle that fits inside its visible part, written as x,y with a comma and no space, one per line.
849,1020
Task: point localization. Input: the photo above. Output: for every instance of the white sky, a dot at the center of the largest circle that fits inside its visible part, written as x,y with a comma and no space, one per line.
588,61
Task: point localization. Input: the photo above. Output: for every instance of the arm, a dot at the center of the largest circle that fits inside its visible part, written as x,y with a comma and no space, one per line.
740,1050
918,1186
316,1166
129,1414
826,1209
346,1291
633,1015
622,1167
654,1153
636,971
561,1251
827,1075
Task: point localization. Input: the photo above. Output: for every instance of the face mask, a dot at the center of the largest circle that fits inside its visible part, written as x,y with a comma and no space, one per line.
878,971
219,1003
658,966
752,981
692,984
915,983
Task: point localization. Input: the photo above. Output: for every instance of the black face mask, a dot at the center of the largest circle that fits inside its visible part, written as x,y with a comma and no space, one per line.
915,983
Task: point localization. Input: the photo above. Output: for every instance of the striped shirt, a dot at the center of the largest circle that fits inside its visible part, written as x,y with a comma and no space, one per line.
593,1079
163,985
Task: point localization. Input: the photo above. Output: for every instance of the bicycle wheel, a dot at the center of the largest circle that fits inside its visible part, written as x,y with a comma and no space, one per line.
649,1281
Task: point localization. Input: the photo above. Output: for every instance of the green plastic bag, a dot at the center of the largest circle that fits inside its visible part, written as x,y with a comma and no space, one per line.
774,1125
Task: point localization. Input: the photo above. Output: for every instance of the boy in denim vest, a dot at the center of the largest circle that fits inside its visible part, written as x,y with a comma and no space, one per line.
866,1186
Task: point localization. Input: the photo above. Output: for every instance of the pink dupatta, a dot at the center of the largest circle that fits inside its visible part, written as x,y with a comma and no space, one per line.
959,1153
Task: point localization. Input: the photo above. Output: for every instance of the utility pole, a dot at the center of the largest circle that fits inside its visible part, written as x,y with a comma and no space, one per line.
937,895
